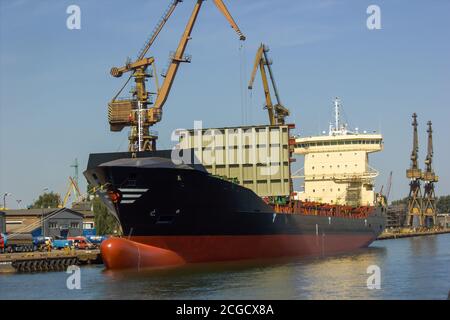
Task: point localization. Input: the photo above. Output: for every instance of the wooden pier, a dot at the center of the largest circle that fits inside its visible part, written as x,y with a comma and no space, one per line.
47,261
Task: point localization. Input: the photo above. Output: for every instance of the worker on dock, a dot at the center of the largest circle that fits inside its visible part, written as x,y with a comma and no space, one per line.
48,245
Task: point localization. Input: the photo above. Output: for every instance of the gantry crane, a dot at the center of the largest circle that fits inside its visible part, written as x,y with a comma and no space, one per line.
415,175
429,178
135,112
277,112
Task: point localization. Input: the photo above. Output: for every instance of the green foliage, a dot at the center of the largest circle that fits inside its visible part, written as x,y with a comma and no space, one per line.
443,204
401,201
47,200
105,223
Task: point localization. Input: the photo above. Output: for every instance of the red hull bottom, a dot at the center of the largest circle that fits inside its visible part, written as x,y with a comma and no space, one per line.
160,251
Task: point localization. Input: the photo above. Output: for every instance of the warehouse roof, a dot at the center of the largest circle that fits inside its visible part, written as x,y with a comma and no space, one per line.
39,212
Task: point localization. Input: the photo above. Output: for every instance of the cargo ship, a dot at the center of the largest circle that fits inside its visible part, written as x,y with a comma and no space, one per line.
227,194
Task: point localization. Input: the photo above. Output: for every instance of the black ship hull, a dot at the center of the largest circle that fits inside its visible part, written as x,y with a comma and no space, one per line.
195,217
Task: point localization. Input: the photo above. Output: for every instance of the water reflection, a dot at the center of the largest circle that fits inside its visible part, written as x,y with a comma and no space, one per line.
413,268
266,279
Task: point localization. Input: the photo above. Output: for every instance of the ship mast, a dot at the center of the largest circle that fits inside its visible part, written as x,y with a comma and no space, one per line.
339,128
336,113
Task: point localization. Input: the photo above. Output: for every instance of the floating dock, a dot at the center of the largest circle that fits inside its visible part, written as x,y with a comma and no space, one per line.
47,261
398,235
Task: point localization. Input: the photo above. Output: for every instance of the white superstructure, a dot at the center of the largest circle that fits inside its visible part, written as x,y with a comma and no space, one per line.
336,167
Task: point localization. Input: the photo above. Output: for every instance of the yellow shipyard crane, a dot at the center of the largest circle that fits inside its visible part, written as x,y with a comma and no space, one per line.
135,112
430,178
72,188
415,175
277,112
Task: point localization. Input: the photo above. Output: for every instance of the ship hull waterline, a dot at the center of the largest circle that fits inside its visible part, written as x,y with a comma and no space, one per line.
156,251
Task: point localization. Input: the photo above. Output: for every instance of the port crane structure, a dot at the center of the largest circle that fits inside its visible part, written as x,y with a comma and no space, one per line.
139,112
277,112
430,178
415,176
72,188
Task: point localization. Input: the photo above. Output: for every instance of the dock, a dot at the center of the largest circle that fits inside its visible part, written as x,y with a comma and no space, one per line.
410,234
47,261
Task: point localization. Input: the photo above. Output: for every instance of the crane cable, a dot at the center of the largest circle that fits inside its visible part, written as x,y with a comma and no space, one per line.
242,69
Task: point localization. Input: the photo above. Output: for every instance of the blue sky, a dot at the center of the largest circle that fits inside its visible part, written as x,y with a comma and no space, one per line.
55,83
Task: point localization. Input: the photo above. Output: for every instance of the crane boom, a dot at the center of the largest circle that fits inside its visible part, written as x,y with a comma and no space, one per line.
277,112
72,186
158,28
258,58
272,78
154,113
260,62
221,6
389,187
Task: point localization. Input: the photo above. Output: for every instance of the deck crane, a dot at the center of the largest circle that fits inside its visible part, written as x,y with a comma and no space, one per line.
430,178
277,112
415,175
135,112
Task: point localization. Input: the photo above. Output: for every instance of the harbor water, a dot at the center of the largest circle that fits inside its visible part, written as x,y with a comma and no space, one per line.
410,268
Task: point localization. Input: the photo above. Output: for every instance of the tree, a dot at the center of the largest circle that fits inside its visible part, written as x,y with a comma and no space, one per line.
47,200
443,204
105,222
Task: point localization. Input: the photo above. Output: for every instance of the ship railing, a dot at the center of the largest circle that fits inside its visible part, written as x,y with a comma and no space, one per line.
368,175
326,210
